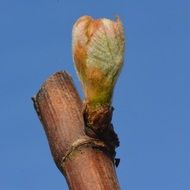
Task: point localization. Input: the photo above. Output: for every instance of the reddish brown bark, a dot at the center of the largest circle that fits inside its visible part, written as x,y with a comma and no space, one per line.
85,162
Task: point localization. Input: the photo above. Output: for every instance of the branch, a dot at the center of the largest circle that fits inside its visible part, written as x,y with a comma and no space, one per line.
85,162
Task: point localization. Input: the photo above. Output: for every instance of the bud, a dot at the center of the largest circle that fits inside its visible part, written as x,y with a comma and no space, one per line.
98,53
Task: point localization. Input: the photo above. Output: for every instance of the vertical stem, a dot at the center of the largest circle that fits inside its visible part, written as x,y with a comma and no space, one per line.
59,108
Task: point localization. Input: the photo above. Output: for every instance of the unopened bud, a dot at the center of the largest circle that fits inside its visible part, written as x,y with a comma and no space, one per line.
98,53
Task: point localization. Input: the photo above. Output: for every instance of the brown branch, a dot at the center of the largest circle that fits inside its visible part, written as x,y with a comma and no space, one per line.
85,162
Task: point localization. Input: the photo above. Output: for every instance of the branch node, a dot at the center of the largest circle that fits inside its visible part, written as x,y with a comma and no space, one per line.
98,124
90,142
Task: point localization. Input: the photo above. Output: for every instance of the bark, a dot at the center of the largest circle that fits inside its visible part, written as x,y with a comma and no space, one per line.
87,163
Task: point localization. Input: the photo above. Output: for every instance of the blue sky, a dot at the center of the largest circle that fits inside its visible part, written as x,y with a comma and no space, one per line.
151,99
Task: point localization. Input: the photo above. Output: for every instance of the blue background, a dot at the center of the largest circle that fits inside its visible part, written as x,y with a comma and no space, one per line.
151,99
